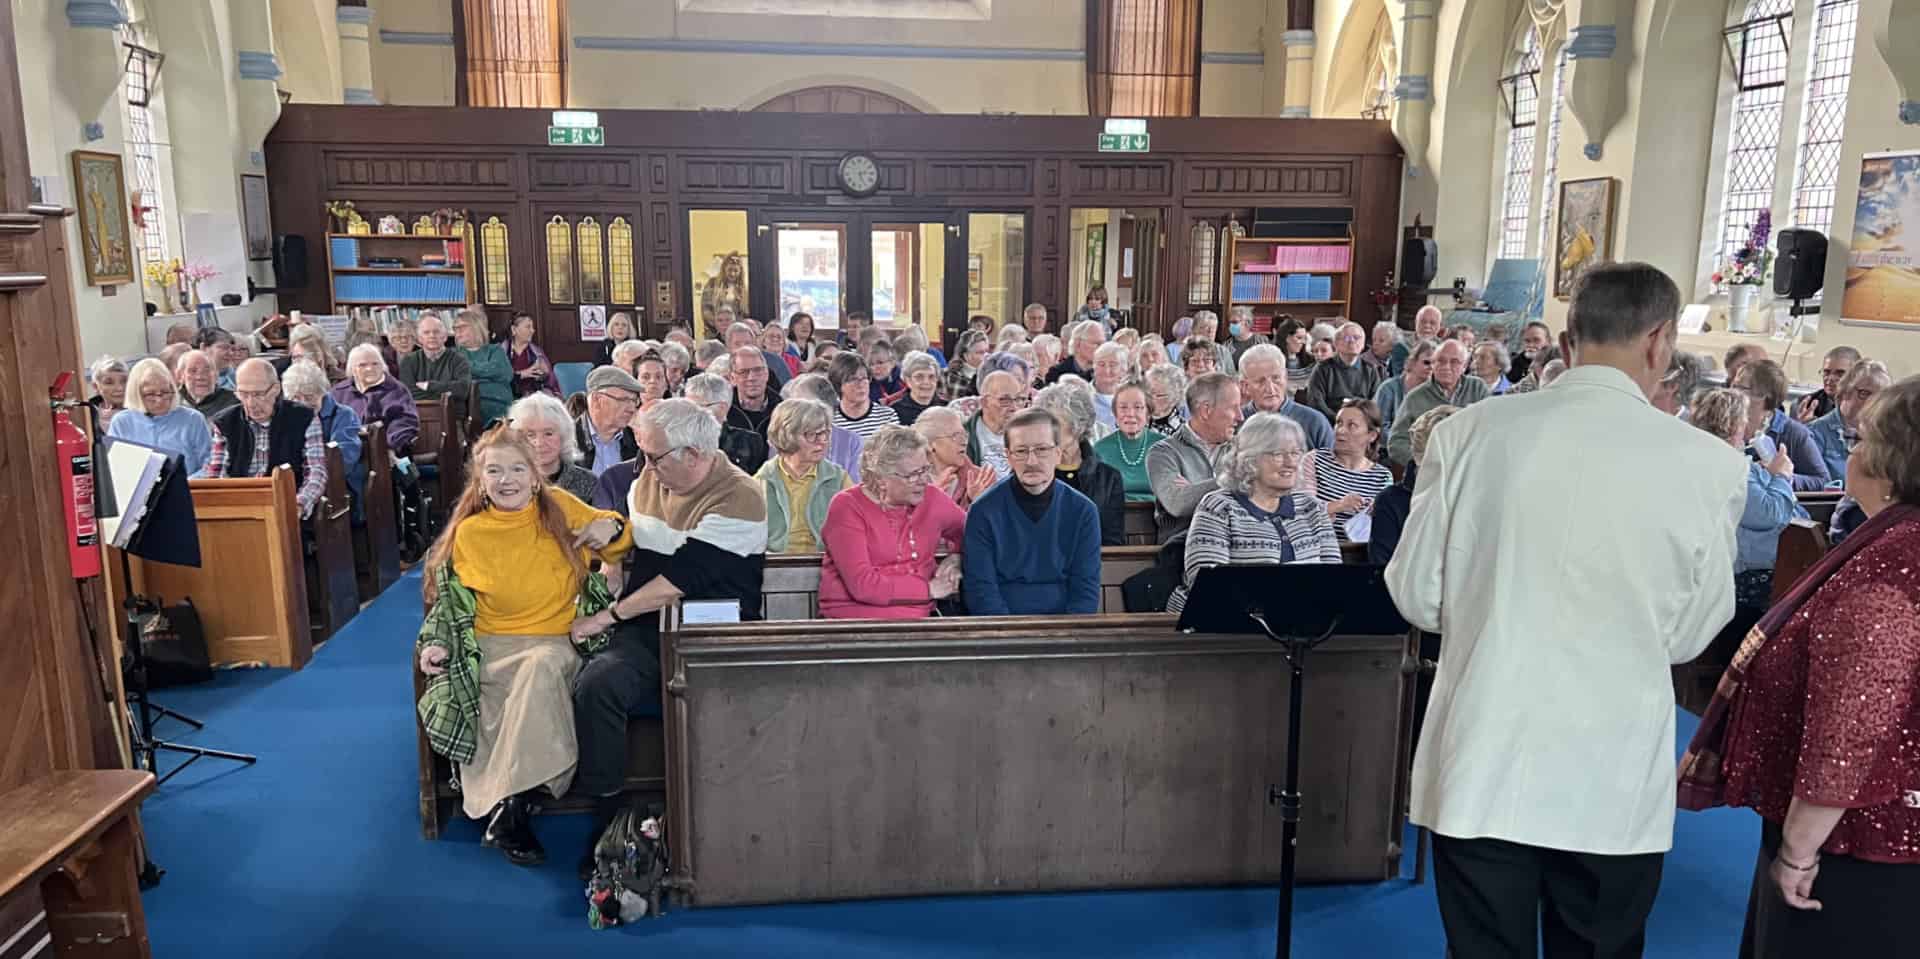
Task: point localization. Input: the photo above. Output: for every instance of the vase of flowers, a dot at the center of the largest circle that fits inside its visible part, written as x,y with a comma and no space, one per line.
194,273
1744,272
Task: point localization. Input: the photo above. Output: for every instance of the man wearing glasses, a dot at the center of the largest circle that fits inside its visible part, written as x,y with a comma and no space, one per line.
265,432
1001,396
1838,363
1033,544
753,403
604,438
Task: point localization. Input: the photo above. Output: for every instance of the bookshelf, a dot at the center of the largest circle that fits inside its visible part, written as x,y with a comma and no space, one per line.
1309,278
352,282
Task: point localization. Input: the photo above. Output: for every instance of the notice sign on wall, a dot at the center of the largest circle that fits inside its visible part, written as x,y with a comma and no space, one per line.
1883,262
576,136
593,323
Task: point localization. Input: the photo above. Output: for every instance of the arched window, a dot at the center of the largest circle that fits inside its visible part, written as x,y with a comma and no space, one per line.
1202,252
1383,67
1521,89
1817,168
496,272
559,261
1550,178
1757,48
146,146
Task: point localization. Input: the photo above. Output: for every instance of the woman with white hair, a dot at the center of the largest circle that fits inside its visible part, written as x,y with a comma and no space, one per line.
109,378
1490,363
543,420
1151,352
1072,407
1125,449
1046,353
1770,505
1258,515
619,330
921,372
914,338
969,352
954,471
307,342
800,481
1112,366
157,419
1166,398
882,538
305,384
678,360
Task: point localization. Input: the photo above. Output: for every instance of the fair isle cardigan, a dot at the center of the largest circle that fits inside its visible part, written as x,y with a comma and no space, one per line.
1228,528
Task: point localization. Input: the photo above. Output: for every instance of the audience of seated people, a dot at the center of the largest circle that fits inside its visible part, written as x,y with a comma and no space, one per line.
1263,387
1125,449
954,471
1835,430
1166,398
1447,386
199,384
549,431
1032,542
882,538
602,434
1414,371
1083,339
267,431
799,481
375,397
435,368
1770,502
1112,366
1346,376
1071,403
744,447
1833,368
1535,339
1386,350
1765,384
157,418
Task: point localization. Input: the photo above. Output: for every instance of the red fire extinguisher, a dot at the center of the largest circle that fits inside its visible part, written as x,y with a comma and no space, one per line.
75,454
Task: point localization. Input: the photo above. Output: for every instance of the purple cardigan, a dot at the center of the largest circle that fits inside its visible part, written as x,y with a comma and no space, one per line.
388,402
521,361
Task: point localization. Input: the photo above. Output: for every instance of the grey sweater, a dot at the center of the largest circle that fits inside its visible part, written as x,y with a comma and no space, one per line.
1428,395
1184,455
1334,382
449,373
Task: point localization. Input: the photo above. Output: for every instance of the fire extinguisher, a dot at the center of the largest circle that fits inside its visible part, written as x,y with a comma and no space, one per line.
75,453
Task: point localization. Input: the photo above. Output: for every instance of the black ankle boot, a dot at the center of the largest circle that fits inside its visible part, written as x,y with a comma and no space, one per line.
497,824
517,840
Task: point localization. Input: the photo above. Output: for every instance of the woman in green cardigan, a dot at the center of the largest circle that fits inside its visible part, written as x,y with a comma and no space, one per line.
1125,449
800,481
492,370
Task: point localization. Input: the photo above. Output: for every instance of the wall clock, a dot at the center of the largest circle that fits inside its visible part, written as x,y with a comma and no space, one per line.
859,174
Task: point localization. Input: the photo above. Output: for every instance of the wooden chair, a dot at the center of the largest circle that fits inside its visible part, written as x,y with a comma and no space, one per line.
69,865
329,547
377,537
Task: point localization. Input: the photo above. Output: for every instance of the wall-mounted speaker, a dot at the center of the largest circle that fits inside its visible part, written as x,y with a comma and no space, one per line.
289,261
1419,261
1800,270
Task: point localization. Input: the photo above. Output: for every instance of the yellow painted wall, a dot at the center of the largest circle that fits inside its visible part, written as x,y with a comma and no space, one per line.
413,74
308,45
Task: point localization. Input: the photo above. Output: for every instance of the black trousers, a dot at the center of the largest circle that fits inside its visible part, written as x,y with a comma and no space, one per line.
621,682
1866,909
1504,900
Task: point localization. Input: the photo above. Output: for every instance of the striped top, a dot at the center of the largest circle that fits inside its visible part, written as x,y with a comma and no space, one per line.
1229,528
878,417
1333,481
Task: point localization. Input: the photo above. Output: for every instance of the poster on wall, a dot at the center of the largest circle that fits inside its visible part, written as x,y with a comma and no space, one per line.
1586,231
106,238
1883,263
593,323
253,203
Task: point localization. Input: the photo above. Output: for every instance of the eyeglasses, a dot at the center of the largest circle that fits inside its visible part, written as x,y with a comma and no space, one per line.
621,397
920,475
651,460
1026,453
251,394
750,370
817,436
1286,456
155,394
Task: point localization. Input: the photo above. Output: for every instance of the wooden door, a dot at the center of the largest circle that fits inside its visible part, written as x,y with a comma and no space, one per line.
588,258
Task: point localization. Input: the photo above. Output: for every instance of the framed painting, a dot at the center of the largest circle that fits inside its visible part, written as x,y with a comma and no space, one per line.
106,233
1585,231
253,206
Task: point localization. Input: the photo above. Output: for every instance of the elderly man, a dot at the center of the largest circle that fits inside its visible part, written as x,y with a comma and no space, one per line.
434,369
1833,369
1087,339
1263,386
1383,350
1428,322
844,447
1180,467
699,532
1393,391
1545,769
1001,396
1344,377
1535,338
743,335
1449,386
1240,334
601,432
266,432
200,386
753,401
1206,325
1034,319
375,397
223,349
1032,545
744,447
306,384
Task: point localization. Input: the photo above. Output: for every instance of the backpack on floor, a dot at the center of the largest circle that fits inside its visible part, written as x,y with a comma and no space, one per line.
175,645
629,867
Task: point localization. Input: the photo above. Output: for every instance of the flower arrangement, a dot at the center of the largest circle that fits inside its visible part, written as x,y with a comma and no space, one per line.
1386,299
1748,265
193,274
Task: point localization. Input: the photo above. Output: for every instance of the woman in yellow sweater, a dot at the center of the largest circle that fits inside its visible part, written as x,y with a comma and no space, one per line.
521,547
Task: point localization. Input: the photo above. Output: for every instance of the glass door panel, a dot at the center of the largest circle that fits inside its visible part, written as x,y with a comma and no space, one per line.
997,265
717,258
811,262
909,262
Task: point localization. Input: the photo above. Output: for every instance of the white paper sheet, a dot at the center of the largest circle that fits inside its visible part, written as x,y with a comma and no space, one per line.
698,611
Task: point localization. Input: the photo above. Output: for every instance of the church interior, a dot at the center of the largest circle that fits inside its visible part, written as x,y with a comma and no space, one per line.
475,230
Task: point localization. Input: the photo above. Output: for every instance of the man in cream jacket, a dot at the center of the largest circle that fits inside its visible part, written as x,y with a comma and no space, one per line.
1569,545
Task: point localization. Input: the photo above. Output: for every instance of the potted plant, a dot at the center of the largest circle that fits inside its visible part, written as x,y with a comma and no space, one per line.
1745,271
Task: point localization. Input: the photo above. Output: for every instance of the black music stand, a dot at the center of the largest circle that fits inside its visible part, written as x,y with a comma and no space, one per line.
166,532
1299,607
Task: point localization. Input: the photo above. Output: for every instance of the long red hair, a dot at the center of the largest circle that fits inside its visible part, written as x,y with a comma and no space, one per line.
473,499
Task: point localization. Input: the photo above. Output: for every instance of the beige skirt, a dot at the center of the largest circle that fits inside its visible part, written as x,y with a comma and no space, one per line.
526,720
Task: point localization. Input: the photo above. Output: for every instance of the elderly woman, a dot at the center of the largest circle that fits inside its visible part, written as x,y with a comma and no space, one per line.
914,338
800,481
1770,501
1834,432
1072,407
772,340
857,412
1765,384
501,586
1346,478
492,370
1198,357
306,342
532,371
1010,334
305,384
678,360
543,420
1112,366
1125,449
954,472
1258,515
1417,371
800,342
1820,707
619,330
403,337
1046,353
109,378
959,380
1151,352
1391,507
922,375
1166,398
882,537
1490,363
159,420
625,355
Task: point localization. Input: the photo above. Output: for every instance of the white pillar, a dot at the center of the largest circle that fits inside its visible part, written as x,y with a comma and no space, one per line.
1413,120
1898,40
356,54
1590,47
257,94
1299,90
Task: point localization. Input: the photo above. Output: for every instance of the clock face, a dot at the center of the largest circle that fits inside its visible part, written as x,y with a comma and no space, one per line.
859,174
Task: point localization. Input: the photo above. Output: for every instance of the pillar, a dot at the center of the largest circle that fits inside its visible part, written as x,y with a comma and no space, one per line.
1299,89
257,93
1590,90
1897,38
1413,120
356,53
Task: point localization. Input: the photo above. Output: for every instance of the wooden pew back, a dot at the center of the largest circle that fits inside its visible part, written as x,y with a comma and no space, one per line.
1140,527
1819,504
1802,544
69,863
381,528
790,588
331,546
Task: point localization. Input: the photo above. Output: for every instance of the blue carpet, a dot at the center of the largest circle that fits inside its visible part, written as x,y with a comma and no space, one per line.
316,851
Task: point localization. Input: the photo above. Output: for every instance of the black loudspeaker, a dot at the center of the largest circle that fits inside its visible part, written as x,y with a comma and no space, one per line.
1419,261
289,261
1801,268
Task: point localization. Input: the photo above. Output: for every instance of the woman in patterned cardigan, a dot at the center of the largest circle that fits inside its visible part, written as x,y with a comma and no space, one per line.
1258,515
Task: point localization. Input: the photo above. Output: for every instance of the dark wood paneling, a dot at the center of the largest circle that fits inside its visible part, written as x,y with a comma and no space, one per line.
1318,180
1121,178
713,174
348,170
821,175
995,177
592,172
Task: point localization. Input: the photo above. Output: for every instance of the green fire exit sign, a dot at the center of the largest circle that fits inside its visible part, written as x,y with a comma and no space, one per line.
576,136
1123,142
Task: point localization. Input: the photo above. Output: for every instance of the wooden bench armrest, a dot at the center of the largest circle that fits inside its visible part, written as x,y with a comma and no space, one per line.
50,818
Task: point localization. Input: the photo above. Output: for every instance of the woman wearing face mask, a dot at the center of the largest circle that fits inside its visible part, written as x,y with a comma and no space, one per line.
1096,309
1125,449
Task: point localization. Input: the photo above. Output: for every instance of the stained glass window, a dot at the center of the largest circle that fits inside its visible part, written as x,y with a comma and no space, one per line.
620,260
1203,253
593,265
1817,169
1523,114
1226,275
559,261
495,266
1550,179
1758,48
144,145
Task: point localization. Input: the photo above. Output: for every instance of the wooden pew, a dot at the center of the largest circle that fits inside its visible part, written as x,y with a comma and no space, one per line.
69,865
1802,543
249,589
1140,527
1819,504
440,450
330,548
790,587
1018,754
377,538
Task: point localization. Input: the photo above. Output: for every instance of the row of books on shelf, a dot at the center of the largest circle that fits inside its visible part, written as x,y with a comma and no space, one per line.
1330,258
1293,286
344,252
369,287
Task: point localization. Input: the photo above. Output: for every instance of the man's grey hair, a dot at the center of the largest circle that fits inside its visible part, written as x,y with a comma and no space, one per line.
1002,361
1617,303
883,452
684,424
814,386
709,350
909,339
676,356
1115,348
986,378
1356,327
793,419
303,379
1322,331
916,361
1086,329
1423,427
1208,389
1684,372
1261,434
403,324
1010,334
257,363
365,349
544,407
180,364
626,351
740,327
1846,353
707,388
1207,316
1242,313
1072,404
1032,307
1263,352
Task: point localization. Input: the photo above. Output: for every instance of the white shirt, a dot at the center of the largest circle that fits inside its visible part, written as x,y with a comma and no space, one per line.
1570,545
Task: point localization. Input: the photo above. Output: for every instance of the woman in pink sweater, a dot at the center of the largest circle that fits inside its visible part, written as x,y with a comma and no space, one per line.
882,536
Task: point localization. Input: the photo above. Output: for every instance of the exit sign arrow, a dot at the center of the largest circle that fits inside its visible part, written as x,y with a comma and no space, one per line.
576,136
1124,142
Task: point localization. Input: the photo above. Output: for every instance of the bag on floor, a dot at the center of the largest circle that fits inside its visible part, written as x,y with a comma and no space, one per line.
629,867
175,645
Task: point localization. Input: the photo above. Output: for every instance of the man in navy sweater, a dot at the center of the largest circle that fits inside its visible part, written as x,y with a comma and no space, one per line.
1033,542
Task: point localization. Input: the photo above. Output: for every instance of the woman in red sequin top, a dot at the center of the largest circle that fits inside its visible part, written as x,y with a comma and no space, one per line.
1824,740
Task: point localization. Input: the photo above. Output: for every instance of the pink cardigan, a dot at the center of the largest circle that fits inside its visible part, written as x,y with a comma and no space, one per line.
870,570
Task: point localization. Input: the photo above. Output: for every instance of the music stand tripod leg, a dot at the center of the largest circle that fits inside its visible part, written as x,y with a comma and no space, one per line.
1288,796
